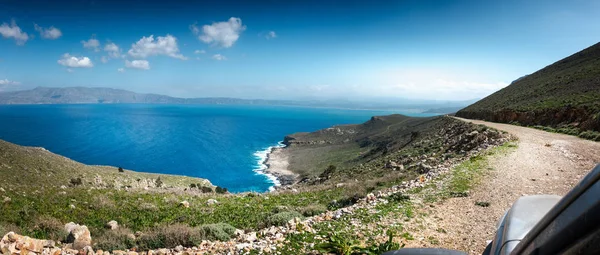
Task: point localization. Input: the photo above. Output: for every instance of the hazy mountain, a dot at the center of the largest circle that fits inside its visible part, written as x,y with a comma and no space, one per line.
84,95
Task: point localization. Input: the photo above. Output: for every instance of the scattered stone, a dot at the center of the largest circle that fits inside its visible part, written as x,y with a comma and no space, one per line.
179,248
79,235
112,225
184,204
13,243
72,206
339,185
212,201
6,199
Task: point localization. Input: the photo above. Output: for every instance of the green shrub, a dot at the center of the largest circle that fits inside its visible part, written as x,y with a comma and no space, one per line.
170,236
193,186
219,231
280,208
398,197
205,189
344,202
282,218
590,135
221,190
312,210
118,239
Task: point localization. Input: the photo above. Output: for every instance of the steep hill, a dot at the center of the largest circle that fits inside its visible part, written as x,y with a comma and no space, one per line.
564,94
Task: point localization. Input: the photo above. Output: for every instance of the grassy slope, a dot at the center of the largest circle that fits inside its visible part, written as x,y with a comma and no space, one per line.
565,94
573,81
31,179
350,145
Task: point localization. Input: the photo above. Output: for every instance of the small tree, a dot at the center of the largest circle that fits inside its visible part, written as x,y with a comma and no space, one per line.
159,182
221,190
121,170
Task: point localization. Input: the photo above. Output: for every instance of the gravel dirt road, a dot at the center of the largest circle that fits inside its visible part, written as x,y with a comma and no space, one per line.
543,163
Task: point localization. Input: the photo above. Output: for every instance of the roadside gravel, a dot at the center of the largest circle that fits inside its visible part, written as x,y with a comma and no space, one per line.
543,163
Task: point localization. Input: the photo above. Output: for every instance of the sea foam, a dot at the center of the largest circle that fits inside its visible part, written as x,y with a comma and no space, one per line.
262,156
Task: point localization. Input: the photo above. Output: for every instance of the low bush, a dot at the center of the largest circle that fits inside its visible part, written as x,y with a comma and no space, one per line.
313,209
344,202
9,227
47,227
205,189
219,231
221,190
398,197
118,239
282,218
170,236
76,181
590,135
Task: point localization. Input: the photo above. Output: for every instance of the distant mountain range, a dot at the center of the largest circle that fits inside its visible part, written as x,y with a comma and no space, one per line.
84,95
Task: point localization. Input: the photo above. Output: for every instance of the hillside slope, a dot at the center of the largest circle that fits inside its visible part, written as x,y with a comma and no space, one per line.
566,93
385,148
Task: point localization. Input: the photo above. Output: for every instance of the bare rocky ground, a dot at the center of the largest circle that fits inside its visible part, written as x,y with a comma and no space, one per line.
543,163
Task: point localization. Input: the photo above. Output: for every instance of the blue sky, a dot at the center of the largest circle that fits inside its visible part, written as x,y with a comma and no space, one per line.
442,50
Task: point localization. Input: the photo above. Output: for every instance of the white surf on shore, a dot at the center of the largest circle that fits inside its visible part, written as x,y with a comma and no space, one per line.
262,156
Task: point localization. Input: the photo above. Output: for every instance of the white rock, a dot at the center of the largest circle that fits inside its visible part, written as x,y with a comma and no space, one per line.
113,224
185,204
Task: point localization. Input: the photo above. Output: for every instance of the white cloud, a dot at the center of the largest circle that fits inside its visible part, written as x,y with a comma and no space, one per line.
163,45
92,43
13,31
271,35
219,57
70,70
73,61
199,52
9,82
121,70
113,50
48,33
104,59
223,34
137,64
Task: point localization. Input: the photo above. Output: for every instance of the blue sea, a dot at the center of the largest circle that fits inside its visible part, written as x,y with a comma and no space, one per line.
223,143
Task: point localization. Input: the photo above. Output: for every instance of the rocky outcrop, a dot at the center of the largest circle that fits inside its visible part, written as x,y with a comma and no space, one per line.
13,243
582,118
79,236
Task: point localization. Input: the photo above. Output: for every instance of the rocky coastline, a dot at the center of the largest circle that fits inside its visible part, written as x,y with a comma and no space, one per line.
277,163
